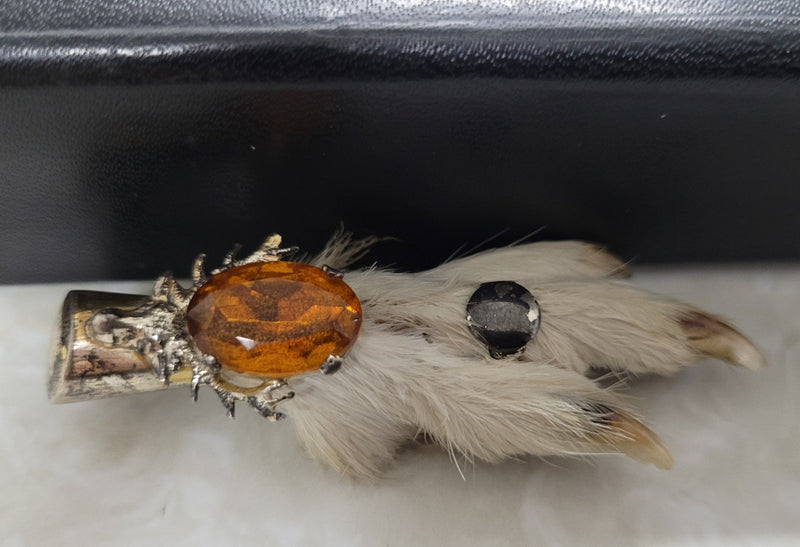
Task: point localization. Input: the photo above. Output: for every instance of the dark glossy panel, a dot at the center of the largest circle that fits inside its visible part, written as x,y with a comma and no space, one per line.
134,135
125,182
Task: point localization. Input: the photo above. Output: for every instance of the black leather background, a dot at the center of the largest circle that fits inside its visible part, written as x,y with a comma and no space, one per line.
135,138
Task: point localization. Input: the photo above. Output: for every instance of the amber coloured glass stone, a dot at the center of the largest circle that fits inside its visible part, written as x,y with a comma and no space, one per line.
273,319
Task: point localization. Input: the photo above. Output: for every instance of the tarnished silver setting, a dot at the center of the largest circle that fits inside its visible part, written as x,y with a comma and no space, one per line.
113,344
331,364
332,271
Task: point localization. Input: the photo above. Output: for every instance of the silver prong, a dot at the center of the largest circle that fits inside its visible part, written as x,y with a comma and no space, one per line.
266,252
265,404
198,271
331,364
270,245
332,271
265,408
195,386
231,255
163,285
163,368
211,363
269,250
287,250
167,288
276,384
228,401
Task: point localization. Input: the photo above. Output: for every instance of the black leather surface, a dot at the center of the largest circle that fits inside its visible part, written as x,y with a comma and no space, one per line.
135,135
386,55
135,15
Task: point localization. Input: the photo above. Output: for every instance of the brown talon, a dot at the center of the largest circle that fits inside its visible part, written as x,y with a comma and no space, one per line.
712,337
632,438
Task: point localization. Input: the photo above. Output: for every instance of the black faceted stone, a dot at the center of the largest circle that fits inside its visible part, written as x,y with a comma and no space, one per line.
504,316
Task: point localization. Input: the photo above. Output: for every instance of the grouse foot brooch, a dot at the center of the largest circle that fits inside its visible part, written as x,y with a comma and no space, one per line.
493,356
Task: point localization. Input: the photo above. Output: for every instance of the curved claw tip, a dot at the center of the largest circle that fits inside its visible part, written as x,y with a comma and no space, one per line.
632,438
622,433
712,337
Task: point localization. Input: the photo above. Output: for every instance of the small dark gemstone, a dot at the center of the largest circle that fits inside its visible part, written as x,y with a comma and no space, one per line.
504,316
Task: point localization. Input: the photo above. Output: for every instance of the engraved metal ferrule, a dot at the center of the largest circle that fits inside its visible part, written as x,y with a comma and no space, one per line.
84,367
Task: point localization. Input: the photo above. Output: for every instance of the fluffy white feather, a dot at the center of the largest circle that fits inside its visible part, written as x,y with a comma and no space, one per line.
416,368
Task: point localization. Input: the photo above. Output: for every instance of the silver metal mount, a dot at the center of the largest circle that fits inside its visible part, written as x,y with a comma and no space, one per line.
111,344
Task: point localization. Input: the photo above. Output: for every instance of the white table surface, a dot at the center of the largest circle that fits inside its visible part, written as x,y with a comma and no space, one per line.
155,469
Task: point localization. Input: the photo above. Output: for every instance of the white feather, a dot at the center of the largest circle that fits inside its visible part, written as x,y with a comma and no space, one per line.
416,368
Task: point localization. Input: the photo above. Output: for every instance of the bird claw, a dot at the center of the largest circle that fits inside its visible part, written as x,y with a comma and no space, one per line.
710,336
539,402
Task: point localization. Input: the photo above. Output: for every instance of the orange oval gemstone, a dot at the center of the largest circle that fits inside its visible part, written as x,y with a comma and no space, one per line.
273,319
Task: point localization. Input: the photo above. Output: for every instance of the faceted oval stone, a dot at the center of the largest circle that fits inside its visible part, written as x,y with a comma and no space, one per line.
273,319
504,316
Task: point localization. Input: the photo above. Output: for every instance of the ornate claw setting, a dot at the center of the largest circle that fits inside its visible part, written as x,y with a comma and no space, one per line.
209,329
